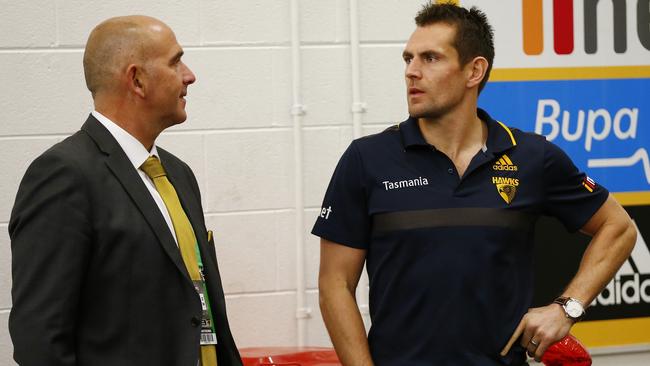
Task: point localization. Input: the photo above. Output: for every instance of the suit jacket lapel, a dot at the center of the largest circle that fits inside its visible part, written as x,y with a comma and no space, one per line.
119,164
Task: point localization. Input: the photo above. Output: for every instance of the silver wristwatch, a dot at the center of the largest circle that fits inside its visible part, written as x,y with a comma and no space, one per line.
572,307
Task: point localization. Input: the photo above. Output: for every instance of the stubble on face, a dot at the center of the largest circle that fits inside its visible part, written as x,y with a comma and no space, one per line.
430,111
433,82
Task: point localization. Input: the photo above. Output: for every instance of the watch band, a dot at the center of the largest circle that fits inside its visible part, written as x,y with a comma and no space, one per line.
562,300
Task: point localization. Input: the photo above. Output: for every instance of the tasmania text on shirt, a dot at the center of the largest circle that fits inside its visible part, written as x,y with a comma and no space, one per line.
415,182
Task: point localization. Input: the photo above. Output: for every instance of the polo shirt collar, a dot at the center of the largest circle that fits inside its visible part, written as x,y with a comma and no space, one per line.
500,137
411,134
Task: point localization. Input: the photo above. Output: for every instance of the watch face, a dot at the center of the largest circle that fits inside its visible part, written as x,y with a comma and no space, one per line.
574,309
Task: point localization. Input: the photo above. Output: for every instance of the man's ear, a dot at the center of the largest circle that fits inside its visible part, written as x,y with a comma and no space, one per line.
476,70
135,78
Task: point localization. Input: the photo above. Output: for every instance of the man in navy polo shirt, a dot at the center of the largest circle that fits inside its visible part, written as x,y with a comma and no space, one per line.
441,208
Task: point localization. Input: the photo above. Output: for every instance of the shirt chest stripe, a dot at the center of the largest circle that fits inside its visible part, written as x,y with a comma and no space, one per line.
452,217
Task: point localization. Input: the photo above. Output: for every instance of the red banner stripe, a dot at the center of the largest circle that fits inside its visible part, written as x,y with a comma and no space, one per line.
563,26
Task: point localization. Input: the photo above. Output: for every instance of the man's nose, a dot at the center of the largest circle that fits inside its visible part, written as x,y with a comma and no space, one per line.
188,76
413,70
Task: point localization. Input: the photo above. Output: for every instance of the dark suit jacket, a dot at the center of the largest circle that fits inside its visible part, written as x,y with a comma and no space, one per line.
97,276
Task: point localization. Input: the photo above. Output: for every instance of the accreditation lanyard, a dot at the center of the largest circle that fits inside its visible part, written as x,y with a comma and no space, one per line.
208,334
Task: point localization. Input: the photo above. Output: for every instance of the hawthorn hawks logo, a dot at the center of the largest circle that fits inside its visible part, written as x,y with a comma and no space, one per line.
506,187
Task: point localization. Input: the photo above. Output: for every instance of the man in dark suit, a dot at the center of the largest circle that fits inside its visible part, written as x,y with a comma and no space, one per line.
98,276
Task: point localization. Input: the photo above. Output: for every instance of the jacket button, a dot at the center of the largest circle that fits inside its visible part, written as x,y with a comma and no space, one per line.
195,321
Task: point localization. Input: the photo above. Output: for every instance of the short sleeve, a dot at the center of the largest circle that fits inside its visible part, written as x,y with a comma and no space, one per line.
343,218
570,195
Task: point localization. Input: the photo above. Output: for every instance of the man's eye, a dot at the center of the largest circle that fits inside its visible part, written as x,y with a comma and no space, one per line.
407,61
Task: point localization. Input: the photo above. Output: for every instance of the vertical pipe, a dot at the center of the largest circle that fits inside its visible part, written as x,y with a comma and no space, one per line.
358,108
297,110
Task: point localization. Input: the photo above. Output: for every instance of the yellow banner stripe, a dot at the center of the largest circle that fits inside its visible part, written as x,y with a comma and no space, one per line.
616,332
633,199
455,2
571,73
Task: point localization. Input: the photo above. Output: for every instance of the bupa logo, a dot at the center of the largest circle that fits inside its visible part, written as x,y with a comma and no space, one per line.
564,25
632,282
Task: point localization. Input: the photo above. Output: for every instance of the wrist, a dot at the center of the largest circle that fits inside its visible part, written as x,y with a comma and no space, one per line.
573,308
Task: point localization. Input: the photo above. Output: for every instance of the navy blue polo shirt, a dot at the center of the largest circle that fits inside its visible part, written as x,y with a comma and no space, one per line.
449,258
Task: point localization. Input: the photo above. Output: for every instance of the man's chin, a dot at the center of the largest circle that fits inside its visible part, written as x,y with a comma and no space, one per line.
177,120
182,117
419,113
426,113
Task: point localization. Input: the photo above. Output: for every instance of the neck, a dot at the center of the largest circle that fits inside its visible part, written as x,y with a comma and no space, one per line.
131,120
455,133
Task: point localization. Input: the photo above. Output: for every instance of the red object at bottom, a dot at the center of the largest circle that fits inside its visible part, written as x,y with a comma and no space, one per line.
567,352
289,356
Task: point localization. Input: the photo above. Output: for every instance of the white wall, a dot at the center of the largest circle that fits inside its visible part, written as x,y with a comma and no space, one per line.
238,137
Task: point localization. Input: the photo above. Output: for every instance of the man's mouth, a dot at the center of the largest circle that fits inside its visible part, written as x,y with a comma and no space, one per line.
415,91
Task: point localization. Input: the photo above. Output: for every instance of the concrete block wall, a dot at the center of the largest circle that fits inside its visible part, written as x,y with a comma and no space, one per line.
238,137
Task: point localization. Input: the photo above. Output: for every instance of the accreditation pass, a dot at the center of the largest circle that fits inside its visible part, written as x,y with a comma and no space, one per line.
208,335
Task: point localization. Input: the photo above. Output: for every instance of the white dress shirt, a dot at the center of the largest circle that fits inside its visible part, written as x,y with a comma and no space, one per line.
137,154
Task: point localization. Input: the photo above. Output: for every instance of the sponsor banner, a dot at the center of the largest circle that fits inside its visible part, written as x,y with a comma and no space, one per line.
620,315
599,116
604,125
578,72
574,33
628,294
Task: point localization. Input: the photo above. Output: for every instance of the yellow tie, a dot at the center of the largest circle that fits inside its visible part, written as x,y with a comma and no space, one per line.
184,234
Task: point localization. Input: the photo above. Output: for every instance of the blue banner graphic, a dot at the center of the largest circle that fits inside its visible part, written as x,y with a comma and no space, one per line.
604,125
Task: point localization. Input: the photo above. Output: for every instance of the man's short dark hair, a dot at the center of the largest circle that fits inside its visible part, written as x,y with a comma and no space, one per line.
474,35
